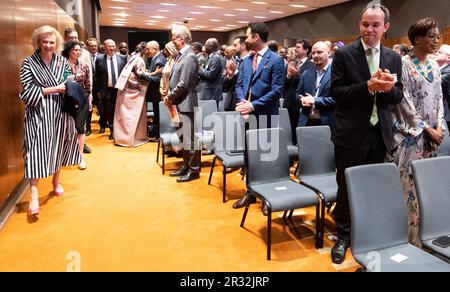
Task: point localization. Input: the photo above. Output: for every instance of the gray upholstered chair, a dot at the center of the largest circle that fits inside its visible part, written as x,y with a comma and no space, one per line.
317,166
228,144
167,136
285,123
431,178
444,148
379,235
269,177
207,108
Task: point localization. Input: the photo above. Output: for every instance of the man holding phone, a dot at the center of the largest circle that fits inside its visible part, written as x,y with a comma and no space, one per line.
313,92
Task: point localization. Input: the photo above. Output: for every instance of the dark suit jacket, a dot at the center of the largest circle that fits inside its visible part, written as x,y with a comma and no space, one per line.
349,75
445,81
266,83
153,93
183,80
290,99
324,102
101,71
210,78
229,88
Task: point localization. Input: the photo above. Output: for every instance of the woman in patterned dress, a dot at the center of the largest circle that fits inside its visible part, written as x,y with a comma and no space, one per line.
419,119
50,138
72,52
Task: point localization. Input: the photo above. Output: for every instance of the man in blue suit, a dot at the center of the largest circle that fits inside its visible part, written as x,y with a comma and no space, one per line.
259,86
313,92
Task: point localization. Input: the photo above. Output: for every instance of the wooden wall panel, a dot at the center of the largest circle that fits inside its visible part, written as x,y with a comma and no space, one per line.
17,23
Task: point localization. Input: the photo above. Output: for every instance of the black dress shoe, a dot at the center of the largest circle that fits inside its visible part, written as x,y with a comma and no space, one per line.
242,202
189,176
181,172
338,251
102,131
86,149
88,132
111,136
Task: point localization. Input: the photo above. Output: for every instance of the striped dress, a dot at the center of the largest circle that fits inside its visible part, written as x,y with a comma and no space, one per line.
50,138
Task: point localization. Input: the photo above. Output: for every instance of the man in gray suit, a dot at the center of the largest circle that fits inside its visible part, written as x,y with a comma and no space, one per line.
210,78
183,94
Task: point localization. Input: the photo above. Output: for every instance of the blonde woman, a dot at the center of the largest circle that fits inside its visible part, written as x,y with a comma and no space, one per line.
50,138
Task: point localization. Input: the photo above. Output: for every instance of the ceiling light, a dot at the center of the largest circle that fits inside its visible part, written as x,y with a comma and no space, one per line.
298,6
168,4
121,14
199,26
231,25
115,7
158,16
261,17
258,2
241,9
215,20
276,12
154,21
242,21
196,12
163,10
231,15
121,1
208,7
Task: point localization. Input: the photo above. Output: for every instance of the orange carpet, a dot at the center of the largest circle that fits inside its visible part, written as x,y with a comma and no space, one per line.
122,214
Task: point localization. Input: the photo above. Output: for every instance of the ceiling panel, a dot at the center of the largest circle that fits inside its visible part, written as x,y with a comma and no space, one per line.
209,15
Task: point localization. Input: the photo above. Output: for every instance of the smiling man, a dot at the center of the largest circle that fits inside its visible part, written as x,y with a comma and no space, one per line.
364,83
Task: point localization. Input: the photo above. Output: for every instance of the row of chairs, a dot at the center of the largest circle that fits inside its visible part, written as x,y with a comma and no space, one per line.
380,217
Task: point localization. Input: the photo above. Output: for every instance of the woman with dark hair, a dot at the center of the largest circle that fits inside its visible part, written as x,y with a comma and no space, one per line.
130,116
419,118
72,52
49,134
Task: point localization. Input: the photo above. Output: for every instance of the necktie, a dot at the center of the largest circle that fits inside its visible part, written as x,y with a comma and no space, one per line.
255,62
93,62
373,68
113,72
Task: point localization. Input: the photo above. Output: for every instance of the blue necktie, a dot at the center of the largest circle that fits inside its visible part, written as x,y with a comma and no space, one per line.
113,73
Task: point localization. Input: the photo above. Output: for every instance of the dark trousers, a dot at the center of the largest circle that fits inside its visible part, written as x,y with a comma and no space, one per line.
98,102
109,103
156,115
371,150
314,122
294,115
191,150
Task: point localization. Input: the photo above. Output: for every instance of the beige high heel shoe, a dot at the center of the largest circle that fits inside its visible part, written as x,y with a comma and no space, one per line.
33,207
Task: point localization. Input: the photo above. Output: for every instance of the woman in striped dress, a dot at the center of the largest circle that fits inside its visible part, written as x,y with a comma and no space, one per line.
50,138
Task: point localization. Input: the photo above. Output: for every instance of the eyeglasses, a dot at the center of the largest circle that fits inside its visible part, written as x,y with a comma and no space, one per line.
435,37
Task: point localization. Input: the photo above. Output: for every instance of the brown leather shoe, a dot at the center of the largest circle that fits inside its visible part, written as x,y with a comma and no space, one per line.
242,202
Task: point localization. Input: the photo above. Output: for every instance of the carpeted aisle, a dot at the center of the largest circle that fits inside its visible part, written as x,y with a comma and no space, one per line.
122,214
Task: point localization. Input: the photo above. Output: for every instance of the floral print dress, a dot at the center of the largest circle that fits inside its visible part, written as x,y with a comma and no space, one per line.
420,108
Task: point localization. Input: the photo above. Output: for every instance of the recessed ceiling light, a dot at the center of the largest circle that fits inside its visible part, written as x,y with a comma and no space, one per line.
208,7
154,21
215,20
199,26
276,12
115,7
158,16
231,15
231,25
196,12
151,23
241,9
121,14
168,4
163,10
120,19
298,6
261,17
259,2
242,21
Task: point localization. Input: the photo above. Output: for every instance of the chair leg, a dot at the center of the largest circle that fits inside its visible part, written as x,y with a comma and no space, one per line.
297,169
212,169
157,151
318,226
245,213
290,214
163,160
224,187
284,215
322,224
269,234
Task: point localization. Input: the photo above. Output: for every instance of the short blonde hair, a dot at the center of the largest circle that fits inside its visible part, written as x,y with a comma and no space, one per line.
182,32
46,30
